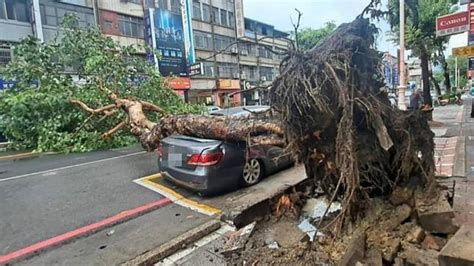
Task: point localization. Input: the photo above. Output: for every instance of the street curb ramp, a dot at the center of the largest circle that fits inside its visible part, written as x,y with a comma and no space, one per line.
155,255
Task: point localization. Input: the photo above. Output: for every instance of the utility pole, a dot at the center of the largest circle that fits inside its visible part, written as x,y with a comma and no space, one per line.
456,72
402,81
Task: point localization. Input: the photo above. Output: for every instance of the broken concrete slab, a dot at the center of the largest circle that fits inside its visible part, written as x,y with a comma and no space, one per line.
460,248
286,233
355,250
402,195
413,255
436,216
241,207
416,235
373,257
237,240
402,213
433,242
390,248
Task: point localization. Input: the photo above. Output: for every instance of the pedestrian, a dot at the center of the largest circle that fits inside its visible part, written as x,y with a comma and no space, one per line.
415,100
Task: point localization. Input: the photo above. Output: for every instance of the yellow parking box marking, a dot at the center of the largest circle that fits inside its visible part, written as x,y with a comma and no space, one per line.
174,196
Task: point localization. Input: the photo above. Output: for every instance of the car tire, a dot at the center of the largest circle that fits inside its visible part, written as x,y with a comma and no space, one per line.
253,172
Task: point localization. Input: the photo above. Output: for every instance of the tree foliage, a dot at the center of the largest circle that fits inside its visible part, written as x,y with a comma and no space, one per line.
36,113
462,68
309,37
420,30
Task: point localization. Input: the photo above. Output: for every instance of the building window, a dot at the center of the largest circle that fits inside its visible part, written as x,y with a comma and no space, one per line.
196,10
5,54
176,6
231,19
163,4
208,69
130,26
203,40
108,25
206,13
223,42
249,73
264,52
215,15
15,10
53,16
224,17
139,2
266,73
225,70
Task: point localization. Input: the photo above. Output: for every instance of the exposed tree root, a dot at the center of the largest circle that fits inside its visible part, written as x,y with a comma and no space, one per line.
341,126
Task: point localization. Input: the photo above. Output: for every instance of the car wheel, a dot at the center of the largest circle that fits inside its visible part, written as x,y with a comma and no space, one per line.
253,171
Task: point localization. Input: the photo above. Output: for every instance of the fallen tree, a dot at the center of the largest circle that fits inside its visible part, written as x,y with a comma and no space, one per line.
331,114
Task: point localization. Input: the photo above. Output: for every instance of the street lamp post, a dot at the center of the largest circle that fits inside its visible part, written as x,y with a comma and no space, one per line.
402,86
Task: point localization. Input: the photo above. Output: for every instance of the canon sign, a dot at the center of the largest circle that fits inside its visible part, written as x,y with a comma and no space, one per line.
452,24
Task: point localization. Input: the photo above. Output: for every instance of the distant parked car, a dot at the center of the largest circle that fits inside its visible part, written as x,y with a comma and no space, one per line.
213,108
211,166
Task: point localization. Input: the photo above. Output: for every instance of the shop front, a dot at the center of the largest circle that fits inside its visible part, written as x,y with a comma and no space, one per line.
180,85
228,93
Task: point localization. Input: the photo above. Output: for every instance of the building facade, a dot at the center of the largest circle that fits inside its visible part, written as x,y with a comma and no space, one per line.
235,52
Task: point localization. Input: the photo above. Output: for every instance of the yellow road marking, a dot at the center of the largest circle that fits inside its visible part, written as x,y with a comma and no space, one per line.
148,182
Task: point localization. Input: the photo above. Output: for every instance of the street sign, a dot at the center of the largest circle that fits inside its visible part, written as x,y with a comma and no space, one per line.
195,69
464,51
452,24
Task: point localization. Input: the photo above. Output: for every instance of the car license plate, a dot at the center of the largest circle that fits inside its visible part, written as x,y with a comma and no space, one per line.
175,159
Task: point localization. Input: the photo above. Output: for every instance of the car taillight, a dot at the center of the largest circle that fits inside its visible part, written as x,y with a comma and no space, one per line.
205,159
160,151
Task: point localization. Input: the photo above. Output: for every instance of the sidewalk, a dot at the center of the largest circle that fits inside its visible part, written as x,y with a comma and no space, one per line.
454,155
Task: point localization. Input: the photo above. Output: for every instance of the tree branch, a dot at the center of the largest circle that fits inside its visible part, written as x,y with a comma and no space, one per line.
296,26
90,110
152,107
113,130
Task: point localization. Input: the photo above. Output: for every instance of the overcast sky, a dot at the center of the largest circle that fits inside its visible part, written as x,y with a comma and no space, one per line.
318,12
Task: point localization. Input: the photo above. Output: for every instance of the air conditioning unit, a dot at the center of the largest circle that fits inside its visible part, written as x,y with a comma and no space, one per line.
235,75
244,52
234,50
263,78
243,76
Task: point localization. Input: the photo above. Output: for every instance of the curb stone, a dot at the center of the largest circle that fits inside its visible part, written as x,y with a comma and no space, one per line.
155,255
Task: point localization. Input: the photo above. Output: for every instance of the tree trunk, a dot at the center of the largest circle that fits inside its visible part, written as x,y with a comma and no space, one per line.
425,76
436,84
447,80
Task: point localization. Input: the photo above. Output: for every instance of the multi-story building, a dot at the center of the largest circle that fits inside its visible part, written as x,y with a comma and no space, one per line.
235,52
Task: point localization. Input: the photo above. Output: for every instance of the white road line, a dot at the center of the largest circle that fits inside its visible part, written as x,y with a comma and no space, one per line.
70,166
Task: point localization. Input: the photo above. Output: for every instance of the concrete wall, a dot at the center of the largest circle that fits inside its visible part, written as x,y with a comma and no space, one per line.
14,31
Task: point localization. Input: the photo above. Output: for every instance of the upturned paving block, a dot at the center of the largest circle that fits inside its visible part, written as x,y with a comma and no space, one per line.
355,250
437,216
237,240
459,250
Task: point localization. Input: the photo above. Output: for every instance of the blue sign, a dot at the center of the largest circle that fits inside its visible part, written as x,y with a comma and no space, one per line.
169,39
6,84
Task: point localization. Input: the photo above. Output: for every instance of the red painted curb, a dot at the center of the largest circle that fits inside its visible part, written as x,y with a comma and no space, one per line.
125,215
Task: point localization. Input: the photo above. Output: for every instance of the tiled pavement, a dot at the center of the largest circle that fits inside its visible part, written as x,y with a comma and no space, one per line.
445,152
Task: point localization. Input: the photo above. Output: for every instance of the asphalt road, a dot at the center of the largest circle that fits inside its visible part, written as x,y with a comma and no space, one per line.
44,197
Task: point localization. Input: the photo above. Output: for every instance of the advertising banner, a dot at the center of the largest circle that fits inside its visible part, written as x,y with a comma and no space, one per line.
188,31
169,39
452,24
